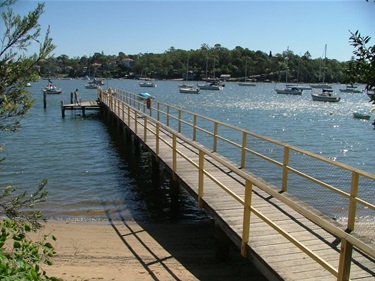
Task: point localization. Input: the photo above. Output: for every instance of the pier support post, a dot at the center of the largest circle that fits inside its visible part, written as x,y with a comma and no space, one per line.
222,243
137,146
62,109
71,98
155,171
174,190
45,99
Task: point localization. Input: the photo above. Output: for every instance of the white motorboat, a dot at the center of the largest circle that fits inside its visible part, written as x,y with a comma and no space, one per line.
52,89
91,86
289,91
211,86
325,96
189,90
147,84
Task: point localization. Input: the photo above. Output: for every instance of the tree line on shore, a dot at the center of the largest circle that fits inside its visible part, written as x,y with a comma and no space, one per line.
205,62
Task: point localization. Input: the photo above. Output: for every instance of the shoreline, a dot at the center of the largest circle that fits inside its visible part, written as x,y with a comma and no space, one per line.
127,250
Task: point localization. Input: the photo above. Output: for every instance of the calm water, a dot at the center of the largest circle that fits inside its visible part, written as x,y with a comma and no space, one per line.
90,169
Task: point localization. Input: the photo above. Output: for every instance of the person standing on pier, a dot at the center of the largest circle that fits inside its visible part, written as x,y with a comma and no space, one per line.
76,96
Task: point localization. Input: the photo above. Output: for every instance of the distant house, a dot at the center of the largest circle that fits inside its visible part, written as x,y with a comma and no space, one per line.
127,62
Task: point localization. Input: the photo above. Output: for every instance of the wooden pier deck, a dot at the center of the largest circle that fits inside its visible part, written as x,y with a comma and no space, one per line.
284,237
82,106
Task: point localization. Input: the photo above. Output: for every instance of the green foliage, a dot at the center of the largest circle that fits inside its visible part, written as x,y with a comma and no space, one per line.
363,68
16,68
20,257
172,65
364,64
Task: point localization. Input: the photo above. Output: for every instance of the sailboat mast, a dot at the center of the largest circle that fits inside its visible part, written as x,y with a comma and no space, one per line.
324,63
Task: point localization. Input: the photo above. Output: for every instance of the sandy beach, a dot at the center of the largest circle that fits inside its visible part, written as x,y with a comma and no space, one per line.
126,250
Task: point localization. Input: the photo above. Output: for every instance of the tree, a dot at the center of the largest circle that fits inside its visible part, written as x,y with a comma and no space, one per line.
364,64
16,67
20,257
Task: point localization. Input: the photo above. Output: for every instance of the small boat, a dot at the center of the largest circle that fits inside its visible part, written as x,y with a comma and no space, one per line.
147,84
246,84
211,86
51,88
97,81
145,96
298,86
189,90
357,115
321,86
350,89
91,86
28,84
326,96
289,91
185,86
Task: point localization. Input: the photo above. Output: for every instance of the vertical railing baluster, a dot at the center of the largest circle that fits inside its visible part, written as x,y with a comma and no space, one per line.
145,128
179,120
157,138
353,201
158,112
284,184
200,178
136,122
174,146
246,217
195,128
168,115
215,137
243,149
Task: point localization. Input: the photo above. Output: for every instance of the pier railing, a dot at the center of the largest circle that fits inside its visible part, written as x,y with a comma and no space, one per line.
294,170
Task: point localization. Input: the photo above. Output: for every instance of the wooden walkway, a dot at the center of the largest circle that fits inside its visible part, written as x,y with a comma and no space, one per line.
279,240
82,106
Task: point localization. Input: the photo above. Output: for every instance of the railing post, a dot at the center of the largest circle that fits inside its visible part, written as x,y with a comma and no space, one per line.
136,122
195,128
158,112
284,185
244,145
179,120
123,111
246,217
129,116
157,138
145,128
215,137
174,164
168,115
200,178
345,261
352,201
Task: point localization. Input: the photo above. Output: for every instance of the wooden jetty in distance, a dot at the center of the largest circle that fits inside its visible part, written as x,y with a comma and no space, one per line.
82,106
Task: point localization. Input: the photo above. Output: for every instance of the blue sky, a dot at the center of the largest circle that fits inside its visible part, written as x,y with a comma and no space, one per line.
81,28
